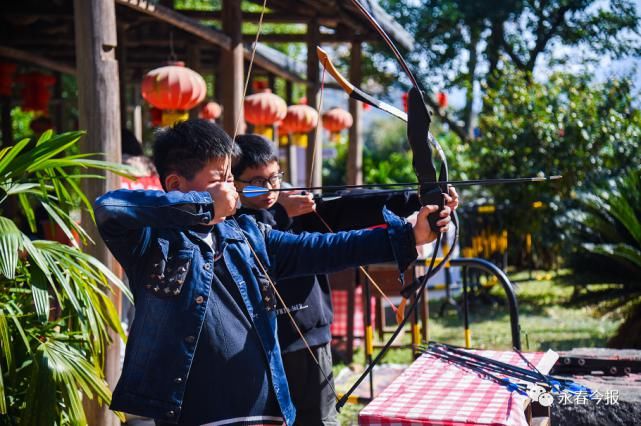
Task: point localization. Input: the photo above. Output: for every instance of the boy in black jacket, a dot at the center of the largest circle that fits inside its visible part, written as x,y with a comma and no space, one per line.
308,298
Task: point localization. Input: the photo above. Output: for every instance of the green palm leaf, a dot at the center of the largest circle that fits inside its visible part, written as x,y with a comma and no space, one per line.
56,311
620,252
7,358
10,247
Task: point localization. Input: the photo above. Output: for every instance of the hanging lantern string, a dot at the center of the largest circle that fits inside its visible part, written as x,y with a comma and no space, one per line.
172,52
249,69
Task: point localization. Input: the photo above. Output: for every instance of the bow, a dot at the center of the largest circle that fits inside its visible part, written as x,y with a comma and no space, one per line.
431,188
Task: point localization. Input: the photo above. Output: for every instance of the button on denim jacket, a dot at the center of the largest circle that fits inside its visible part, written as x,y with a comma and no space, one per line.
151,234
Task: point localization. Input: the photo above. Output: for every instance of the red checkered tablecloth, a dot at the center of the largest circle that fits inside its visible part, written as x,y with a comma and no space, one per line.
433,392
339,304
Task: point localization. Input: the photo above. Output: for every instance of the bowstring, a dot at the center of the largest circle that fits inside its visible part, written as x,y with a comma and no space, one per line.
316,133
237,225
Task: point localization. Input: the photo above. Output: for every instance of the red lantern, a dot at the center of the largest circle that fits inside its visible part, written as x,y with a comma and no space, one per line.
404,101
6,78
263,110
300,120
35,91
174,87
336,120
441,98
210,111
366,107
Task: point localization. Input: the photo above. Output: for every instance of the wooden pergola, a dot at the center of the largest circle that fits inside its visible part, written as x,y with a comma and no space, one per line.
108,45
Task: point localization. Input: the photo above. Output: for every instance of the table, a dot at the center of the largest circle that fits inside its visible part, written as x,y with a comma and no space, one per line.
433,392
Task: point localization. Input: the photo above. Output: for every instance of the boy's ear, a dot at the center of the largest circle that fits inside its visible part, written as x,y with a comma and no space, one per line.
172,182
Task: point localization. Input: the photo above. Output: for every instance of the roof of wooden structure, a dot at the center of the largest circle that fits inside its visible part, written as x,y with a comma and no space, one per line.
42,32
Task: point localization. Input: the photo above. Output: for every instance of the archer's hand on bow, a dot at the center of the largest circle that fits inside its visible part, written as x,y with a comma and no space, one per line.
423,234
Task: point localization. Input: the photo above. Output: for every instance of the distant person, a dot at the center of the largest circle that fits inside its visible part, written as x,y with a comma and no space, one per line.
144,169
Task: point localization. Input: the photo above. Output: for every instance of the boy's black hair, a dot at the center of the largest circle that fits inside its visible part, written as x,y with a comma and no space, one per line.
186,147
255,151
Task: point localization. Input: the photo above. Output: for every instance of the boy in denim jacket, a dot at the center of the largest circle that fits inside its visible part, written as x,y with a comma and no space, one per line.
203,348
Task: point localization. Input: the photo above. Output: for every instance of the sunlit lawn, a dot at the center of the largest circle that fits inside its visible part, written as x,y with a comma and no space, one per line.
547,322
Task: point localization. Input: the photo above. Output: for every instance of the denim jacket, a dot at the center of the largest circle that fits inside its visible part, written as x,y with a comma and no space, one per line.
152,235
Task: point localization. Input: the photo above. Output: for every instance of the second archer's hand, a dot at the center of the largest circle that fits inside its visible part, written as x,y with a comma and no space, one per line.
423,234
296,204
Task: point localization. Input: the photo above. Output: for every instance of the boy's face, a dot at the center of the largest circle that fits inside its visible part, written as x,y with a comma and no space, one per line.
215,170
259,176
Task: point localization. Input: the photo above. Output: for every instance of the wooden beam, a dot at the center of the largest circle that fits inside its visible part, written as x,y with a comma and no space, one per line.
355,147
99,114
23,56
233,69
273,68
314,169
302,38
179,20
282,18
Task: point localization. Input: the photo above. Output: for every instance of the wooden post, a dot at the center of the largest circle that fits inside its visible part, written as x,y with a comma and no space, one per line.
355,148
232,71
314,171
292,158
121,57
99,111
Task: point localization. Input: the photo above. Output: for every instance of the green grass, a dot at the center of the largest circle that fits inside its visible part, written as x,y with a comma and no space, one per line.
548,321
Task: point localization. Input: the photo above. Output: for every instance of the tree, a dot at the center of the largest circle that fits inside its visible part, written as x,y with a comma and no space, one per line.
462,44
567,126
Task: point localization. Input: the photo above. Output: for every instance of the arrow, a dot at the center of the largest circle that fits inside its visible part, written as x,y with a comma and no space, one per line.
254,191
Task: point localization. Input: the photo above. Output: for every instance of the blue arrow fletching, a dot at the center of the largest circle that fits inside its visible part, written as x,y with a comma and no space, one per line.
254,191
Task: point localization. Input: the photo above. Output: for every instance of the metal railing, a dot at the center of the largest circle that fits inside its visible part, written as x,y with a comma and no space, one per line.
490,268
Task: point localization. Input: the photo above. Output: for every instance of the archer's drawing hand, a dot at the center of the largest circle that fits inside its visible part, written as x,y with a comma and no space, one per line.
423,234
296,204
225,199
